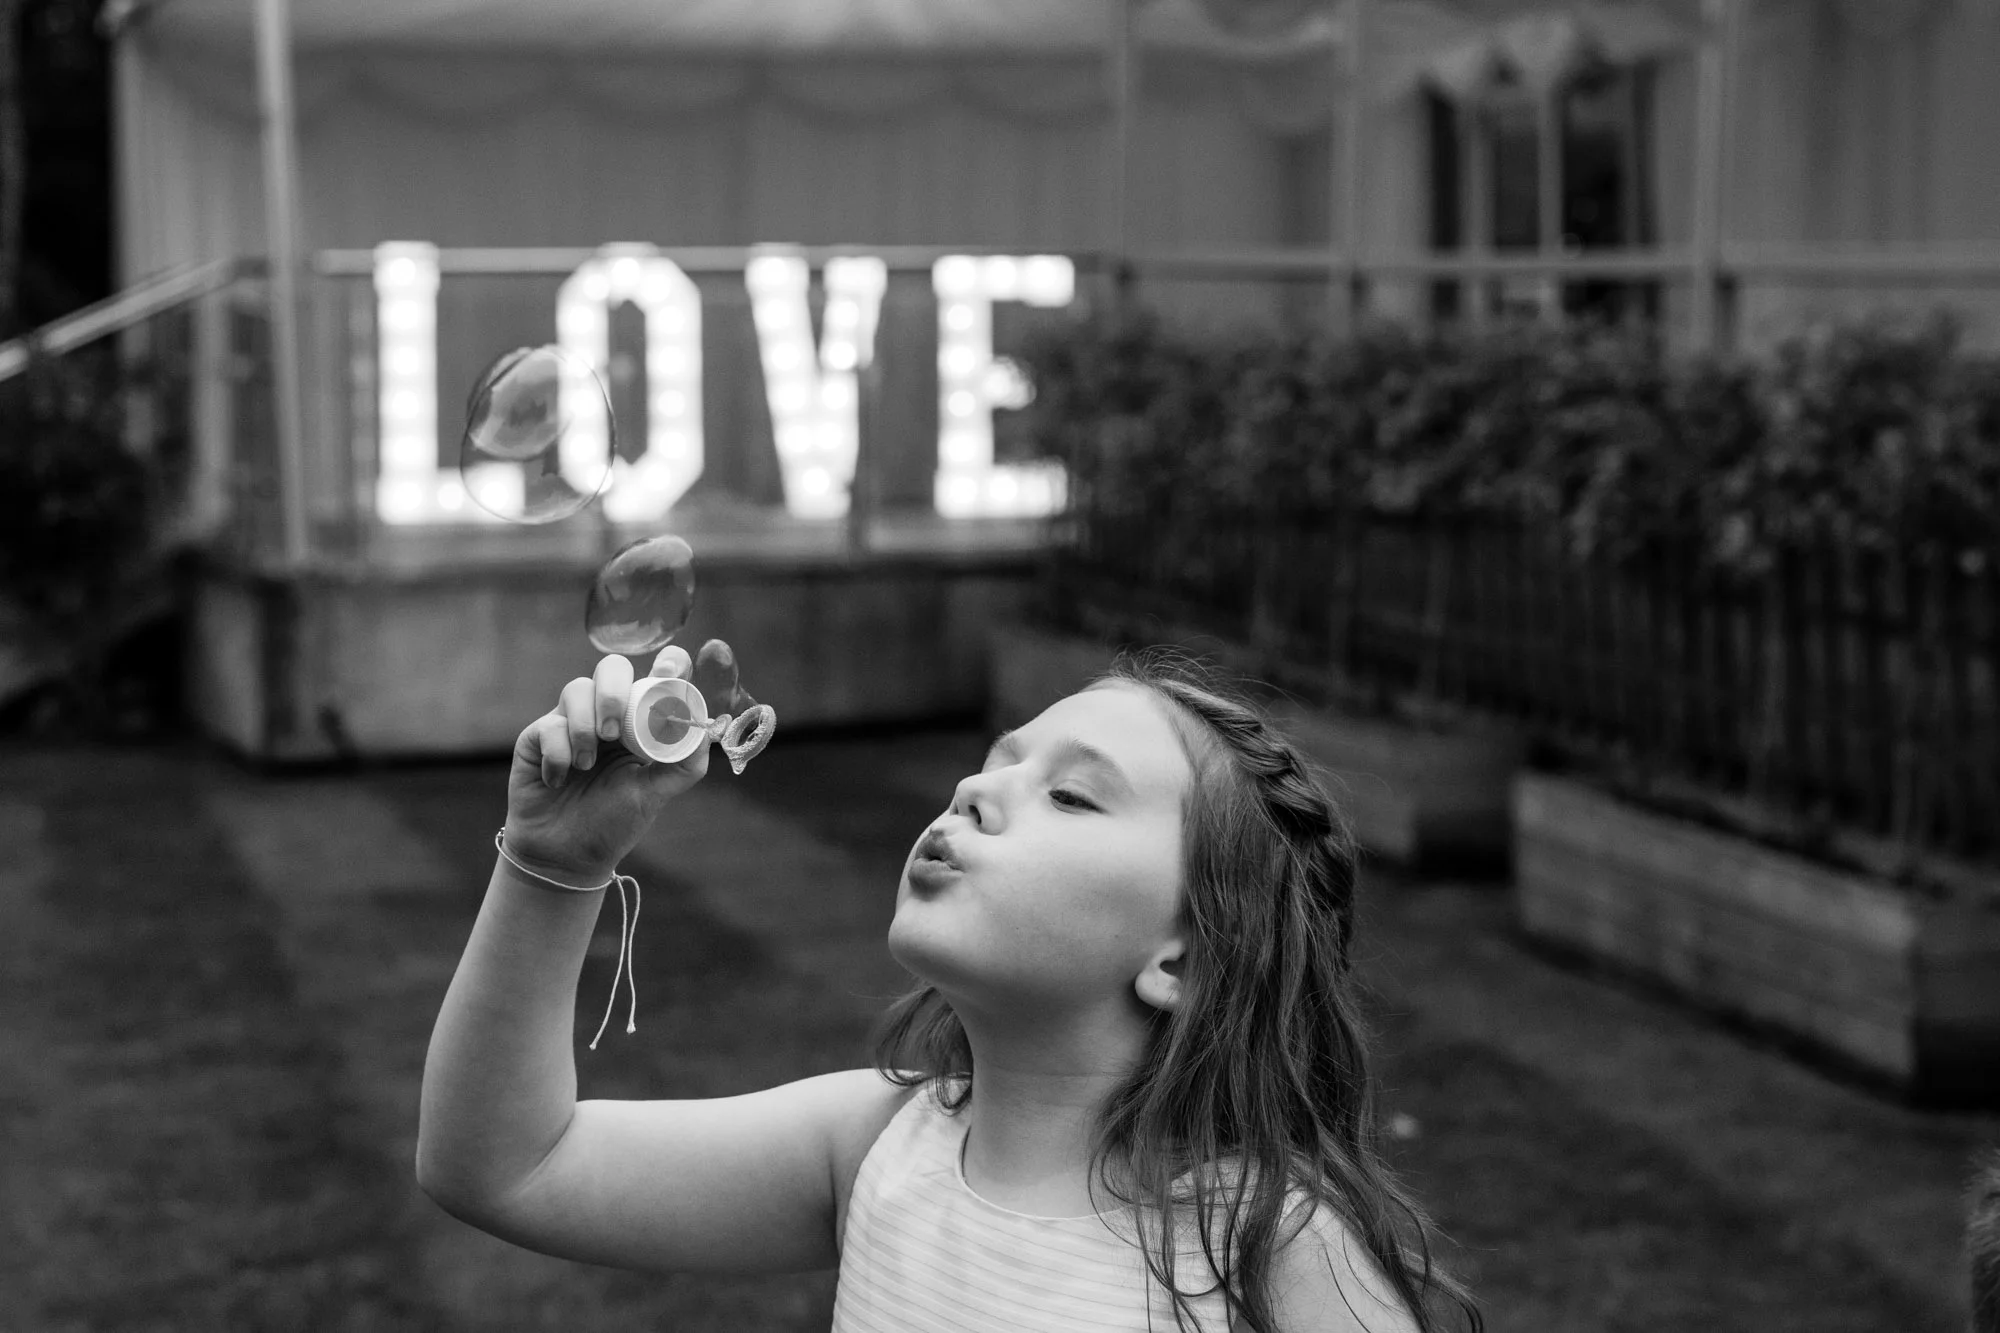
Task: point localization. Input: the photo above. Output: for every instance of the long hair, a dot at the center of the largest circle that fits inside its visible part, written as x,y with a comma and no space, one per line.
1263,1062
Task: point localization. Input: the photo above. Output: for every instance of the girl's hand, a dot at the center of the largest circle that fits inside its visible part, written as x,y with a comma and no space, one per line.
577,799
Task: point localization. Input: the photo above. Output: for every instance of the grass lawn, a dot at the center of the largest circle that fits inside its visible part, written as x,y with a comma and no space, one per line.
208,1078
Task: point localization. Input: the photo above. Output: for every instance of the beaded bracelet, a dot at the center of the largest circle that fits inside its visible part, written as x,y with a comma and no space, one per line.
628,933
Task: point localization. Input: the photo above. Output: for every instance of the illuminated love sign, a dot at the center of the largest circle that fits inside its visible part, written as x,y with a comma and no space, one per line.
811,388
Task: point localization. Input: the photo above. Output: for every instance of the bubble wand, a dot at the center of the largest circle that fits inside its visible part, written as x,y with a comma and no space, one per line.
540,443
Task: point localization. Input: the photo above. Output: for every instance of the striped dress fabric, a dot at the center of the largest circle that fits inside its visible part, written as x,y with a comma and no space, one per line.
922,1252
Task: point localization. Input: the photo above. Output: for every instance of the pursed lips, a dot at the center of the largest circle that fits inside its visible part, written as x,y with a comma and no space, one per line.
936,847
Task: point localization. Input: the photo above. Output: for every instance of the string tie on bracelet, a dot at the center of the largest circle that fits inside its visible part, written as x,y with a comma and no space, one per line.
628,933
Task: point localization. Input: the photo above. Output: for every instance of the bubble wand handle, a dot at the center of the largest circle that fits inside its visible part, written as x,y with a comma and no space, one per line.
666,720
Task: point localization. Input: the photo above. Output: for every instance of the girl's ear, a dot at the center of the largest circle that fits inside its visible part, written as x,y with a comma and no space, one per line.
1160,983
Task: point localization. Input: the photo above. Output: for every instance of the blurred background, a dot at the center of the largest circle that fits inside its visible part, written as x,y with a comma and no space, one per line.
1579,423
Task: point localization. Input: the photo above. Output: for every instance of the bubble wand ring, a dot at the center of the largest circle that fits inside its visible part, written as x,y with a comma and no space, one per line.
666,720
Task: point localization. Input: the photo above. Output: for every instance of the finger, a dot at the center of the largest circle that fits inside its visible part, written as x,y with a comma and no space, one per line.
673,661
552,740
716,676
613,680
579,712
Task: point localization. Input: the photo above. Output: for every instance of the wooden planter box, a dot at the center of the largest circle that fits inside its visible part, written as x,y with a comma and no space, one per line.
1425,800
1885,980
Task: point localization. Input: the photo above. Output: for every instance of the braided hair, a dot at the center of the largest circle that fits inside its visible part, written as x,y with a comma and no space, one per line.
1254,1088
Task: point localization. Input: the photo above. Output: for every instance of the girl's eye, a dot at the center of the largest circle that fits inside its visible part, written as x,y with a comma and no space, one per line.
1061,797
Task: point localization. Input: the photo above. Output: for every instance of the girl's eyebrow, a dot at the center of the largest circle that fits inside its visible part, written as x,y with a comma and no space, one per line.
1069,750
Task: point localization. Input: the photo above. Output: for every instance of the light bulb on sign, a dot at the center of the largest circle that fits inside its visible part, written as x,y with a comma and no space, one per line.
813,390
406,283
972,382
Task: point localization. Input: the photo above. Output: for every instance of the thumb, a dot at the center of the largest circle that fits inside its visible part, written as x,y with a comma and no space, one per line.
670,780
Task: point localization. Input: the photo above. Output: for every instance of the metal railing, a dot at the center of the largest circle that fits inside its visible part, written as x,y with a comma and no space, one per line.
187,356
124,310
1846,692
1656,286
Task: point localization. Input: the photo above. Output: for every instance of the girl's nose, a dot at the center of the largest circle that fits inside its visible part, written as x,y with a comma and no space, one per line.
974,800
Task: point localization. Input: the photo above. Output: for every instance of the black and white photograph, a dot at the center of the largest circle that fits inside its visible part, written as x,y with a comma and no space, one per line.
1000,666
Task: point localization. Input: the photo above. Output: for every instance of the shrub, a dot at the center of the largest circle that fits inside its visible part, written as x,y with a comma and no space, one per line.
73,499
1864,435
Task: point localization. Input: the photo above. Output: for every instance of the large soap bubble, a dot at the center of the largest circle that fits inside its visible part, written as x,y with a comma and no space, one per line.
539,440
641,597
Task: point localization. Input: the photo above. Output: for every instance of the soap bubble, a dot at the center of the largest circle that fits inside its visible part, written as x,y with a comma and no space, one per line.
641,597
539,439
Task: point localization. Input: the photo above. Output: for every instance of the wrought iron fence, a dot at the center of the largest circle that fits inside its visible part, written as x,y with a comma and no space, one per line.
1849,690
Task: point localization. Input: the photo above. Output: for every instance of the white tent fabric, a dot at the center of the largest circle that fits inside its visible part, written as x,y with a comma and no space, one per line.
986,121
1865,133
498,149
1542,49
769,27
994,133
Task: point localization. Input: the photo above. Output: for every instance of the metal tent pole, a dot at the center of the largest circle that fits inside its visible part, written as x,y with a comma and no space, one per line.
1549,189
1475,207
1348,141
1721,40
1121,75
281,229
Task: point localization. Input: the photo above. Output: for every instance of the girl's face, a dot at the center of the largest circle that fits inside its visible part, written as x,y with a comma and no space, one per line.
1064,861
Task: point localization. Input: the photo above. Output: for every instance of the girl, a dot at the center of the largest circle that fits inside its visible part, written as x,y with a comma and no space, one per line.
1130,1091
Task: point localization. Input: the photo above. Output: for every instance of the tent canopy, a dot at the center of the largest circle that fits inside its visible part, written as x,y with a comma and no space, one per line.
1244,28
712,121
773,27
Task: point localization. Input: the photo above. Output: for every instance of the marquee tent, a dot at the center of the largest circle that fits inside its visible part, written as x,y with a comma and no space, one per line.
1037,125
1136,126
499,122
496,122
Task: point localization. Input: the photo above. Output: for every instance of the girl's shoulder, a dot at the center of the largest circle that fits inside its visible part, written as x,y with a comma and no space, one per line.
1320,1257
1306,1204
873,1103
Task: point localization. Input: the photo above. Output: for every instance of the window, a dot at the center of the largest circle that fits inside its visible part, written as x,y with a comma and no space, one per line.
1487,188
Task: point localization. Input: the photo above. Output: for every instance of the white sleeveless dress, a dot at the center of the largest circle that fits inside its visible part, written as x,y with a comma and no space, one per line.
923,1253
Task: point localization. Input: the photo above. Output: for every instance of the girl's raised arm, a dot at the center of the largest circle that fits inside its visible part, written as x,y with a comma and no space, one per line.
728,1184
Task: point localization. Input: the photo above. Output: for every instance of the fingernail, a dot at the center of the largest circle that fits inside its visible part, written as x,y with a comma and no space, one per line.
608,729
586,759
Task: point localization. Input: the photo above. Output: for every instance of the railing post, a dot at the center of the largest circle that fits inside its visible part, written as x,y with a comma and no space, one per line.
211,416
136,364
